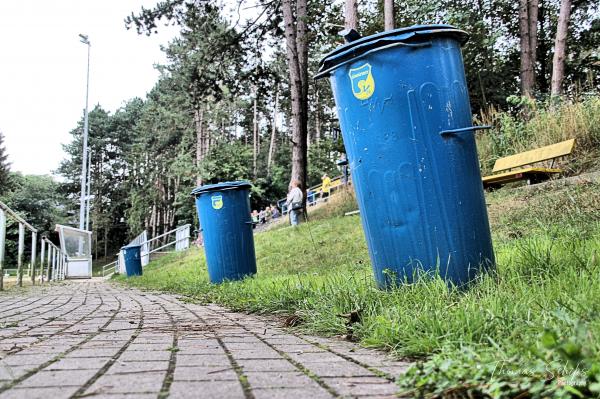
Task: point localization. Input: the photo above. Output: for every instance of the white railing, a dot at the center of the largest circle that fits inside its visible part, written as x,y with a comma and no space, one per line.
180,243
56,262
110,268
6,212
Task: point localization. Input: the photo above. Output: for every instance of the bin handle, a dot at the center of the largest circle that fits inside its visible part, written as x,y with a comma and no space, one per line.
452,132
387,46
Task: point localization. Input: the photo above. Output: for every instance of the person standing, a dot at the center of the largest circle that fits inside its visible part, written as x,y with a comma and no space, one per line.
254,216
325,187
275,211
294,202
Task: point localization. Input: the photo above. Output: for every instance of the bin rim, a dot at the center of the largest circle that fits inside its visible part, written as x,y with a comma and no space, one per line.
228,185
131,246
356,48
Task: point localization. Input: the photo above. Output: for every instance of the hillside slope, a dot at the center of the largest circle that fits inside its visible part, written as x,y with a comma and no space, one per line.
540,311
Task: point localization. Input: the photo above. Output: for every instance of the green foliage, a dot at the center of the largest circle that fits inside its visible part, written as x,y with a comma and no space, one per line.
321,159
4,166
227,162
37,199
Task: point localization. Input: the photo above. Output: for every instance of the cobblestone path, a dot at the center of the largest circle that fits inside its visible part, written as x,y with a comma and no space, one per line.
95,339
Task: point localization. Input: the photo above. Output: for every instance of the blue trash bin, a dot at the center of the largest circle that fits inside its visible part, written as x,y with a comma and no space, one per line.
226,225
405,117
133,260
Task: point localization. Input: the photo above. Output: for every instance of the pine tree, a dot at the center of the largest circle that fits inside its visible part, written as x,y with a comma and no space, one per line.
4,166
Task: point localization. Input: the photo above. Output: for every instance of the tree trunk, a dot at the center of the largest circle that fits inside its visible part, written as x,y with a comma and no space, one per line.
560,44
301,150
273,134
351,14
543,52
297,54
255,132
154,219
533,13
525,69
198,121
317,117
388,13
105,242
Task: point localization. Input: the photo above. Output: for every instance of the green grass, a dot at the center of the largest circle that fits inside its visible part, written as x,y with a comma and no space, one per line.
538,317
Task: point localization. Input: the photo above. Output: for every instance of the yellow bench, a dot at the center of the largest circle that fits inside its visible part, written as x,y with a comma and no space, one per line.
533,175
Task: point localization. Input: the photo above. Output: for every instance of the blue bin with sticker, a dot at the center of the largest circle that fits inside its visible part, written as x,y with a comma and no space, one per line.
133,260
405,117
226,226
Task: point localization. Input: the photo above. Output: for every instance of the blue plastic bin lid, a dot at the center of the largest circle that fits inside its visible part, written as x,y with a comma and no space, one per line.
407,35
228,185
131,246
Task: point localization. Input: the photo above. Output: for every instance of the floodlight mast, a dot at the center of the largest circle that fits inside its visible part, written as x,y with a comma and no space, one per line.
85,40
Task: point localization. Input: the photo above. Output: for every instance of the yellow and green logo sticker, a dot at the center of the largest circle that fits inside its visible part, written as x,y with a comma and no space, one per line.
217,201
363,84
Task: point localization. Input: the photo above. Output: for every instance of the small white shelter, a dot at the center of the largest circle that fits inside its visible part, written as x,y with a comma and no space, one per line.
77,244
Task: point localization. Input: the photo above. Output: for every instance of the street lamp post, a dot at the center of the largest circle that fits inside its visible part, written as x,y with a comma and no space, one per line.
85,40
88,191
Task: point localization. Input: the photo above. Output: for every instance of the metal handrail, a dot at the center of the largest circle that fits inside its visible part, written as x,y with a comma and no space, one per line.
57,261
4,212
169,244
165,234
105,267
18,218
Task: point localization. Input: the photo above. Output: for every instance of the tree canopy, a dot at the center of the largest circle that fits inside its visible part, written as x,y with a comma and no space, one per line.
4,166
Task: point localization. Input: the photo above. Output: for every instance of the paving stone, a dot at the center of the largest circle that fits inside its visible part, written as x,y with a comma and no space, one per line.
132,367
94,352
337,369
31,359
208,390
287,379
269,365
122,383
262,353
355,386
79,363
394,371
298,348
309,357
203,360
128,355
212,373
125,396
292,393
39,393
150,347
58,378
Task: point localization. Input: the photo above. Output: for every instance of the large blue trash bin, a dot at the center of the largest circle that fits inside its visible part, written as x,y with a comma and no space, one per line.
133,260
405,117
226,225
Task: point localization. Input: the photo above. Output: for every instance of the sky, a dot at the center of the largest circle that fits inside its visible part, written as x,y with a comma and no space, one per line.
43,71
